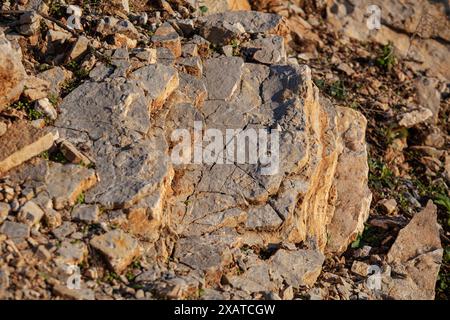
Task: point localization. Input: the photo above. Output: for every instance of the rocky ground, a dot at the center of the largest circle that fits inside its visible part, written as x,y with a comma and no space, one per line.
92,207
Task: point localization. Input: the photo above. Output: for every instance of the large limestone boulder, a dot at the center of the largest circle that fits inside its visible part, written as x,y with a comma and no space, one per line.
304,195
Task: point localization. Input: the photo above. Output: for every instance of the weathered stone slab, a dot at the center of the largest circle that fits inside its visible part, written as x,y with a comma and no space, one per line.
417,254
63,190
353,197
20,143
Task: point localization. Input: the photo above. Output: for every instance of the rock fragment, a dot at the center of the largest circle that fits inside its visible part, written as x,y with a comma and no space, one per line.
15,231
4,211
72,154
158,81
12,73
86,213
72,253
222,27
360,268
298,268
388,205
119,249
63,191
351,177
30,213
21,143
36,88
268,50
417,254
56,76
412,118
29,23
46,108
166,36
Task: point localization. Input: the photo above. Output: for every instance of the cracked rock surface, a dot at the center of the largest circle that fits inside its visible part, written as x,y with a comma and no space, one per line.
97,188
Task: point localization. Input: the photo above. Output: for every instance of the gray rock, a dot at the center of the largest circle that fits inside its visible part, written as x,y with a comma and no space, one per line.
149,56
57,77
15,231
86,213
119,249
115,119
268,50
192,65
79,48
222,77
64,230
428,96
72,253
256,279
29,23
416,257
208,253
222,27
167,37
415,117
263,218
298,268
63,191
158,81
30,213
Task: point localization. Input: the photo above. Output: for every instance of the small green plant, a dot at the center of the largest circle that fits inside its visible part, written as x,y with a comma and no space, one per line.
357,243
320,83
395,133
53,98
235,43
203,9
43,67
25,105
380,176
371,236
337,90
111,276
130,276
58,156
45,155
443,200
81,199
56,9
387,58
